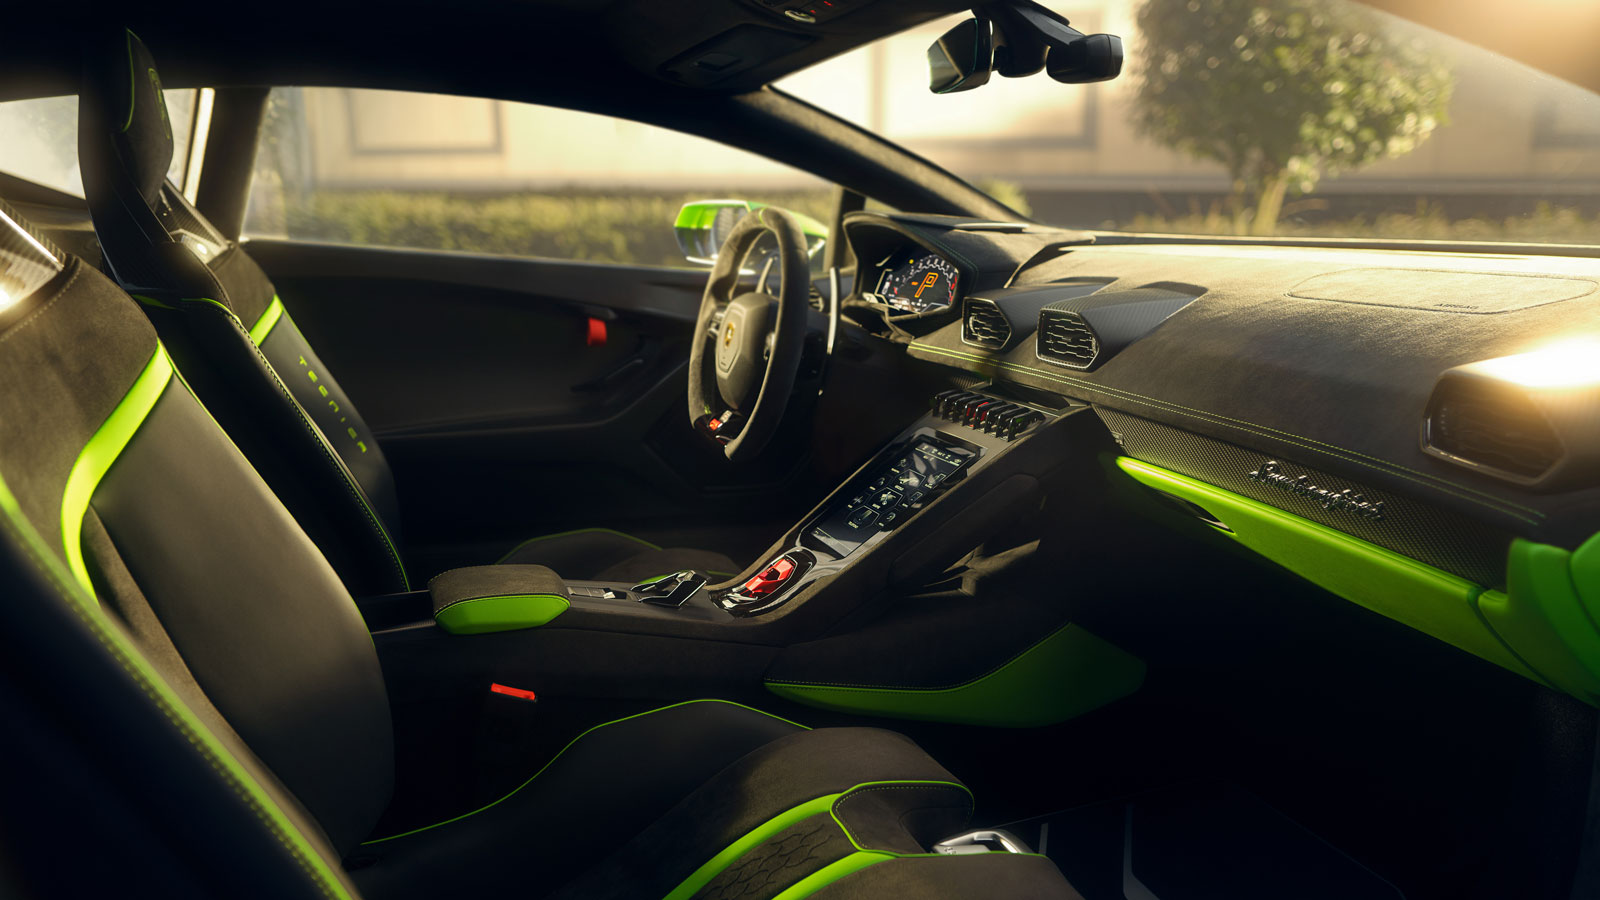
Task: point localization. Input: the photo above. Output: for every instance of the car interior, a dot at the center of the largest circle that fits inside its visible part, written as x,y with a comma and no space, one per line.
920,549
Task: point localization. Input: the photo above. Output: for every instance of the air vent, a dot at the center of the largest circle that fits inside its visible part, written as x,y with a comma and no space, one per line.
984,325
1083,332
1066,340
1491,425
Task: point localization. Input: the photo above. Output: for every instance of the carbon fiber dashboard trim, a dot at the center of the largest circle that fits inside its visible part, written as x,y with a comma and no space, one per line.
1442,539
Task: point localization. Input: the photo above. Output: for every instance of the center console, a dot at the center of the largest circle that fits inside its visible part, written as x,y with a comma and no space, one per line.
963,431
947,482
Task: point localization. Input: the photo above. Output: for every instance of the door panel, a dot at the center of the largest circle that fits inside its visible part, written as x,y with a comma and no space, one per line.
503,421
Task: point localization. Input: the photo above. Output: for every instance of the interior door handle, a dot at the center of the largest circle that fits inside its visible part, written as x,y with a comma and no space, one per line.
633,365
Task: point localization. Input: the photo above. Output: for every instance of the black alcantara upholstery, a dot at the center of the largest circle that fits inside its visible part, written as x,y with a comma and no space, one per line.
613,556
240,705
225,326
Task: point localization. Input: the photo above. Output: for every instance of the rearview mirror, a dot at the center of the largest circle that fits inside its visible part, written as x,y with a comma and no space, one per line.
703,225
1017,38
962,58
1091,58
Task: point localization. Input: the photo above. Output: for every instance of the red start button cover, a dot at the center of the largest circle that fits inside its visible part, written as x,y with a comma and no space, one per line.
769,579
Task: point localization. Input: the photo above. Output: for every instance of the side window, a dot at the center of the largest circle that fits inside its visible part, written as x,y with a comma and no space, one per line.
41,139
473,175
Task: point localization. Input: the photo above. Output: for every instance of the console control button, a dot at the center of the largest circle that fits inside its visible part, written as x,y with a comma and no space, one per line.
991,415
894,493
770,579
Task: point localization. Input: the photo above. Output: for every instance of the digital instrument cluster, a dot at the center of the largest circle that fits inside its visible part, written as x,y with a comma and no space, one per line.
915,280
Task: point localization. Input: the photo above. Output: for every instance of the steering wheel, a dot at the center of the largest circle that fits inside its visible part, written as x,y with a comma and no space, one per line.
739,396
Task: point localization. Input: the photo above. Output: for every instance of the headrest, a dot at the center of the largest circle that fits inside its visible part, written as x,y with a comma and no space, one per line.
121,102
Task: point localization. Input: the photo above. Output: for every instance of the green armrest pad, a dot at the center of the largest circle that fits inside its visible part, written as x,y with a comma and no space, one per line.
486,599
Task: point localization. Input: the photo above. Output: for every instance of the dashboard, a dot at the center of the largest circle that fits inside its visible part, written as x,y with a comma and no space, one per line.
1437,407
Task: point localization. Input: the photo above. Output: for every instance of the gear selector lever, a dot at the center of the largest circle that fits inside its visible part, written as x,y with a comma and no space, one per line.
670,590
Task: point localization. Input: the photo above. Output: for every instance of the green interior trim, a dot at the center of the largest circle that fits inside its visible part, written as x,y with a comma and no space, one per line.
561,534
832,872
1427,599
569,746
1065,675
823,805
506,612
749,841
269,318
244,784
1550,613
151,301
103,448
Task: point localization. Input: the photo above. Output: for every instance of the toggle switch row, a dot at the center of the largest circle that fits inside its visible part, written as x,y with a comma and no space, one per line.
987,414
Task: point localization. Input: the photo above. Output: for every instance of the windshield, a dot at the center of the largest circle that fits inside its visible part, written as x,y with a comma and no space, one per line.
1269,117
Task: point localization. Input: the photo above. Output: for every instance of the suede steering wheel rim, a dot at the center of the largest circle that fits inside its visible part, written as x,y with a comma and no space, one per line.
742,337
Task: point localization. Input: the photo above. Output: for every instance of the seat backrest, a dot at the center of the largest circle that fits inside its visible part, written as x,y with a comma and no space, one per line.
157,516
120,779
223,322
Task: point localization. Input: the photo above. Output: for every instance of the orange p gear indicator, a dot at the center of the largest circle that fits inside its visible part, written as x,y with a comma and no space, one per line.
928,282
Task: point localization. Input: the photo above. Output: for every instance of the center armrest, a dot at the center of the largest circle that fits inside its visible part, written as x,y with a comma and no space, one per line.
485,599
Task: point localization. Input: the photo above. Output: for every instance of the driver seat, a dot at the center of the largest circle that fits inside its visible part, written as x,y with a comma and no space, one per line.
225,326
196,706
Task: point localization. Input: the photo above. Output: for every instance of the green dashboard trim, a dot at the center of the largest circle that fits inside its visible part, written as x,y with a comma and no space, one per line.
504,612
1550,613
269,318
103,448
1391,584
1068,673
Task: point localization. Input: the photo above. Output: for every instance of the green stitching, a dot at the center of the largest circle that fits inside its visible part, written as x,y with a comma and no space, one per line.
870,786
564,749
221,761
1332,449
